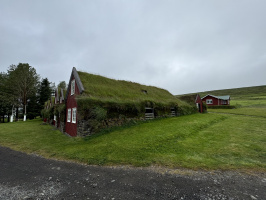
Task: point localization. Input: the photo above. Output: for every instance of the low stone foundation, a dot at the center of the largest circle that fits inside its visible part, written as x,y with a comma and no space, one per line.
89,127
83,128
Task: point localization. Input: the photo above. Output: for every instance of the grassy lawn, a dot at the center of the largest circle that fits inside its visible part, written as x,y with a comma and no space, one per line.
254,106
199,141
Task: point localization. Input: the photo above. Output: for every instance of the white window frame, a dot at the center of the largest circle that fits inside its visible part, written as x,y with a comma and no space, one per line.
209,101
74,115
73,87
69,115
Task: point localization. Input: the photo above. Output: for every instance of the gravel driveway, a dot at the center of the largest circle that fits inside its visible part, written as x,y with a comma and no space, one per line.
25,176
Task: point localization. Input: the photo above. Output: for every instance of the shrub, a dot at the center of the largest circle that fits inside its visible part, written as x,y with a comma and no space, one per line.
98,113
221,107
187,110
204,107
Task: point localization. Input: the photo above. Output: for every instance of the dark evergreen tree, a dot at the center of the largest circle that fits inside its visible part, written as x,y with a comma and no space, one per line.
7,98
44,92
33,107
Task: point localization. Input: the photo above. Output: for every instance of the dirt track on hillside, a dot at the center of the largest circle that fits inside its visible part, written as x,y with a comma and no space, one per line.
25,176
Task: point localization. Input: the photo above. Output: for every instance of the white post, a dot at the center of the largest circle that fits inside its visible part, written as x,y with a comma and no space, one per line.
11,117
25,115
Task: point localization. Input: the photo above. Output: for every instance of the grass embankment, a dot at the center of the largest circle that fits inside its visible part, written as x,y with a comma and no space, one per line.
205,141
246,103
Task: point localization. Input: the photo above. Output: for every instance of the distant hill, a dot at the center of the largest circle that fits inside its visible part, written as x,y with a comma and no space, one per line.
236,92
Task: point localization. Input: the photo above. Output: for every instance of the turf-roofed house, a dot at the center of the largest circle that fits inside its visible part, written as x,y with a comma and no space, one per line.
94,102
195,99
54,109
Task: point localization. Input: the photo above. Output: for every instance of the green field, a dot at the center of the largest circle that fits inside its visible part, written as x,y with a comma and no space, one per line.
248,101
215,140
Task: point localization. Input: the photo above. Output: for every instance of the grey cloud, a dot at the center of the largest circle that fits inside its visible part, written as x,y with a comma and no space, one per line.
182,46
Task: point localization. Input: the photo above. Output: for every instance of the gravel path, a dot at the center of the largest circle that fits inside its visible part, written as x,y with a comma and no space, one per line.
25,176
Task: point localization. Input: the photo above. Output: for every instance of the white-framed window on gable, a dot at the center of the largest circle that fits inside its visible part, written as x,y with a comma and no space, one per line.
209,101
73,87
69,115
74,115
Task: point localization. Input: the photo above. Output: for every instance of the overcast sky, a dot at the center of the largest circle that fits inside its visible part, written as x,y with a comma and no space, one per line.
183,46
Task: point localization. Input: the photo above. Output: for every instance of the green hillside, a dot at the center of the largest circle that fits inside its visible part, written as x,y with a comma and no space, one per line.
238,93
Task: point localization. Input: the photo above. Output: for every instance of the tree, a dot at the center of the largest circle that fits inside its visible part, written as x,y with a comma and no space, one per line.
7,98
33,107
23,82
62,85
3,104
45,91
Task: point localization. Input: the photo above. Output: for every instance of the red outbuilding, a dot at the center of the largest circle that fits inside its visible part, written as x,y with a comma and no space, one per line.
212,100
198,102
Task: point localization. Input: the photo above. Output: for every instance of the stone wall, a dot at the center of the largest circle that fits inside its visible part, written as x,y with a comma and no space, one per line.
89,127
83,128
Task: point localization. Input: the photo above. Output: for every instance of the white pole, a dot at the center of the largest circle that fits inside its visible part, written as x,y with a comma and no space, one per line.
24,114
11,118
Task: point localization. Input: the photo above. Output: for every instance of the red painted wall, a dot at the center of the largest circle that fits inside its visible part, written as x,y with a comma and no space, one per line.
215,101
199,101
71,128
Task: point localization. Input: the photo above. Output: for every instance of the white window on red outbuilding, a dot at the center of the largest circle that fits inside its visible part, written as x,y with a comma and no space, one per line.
72,87
74,115
69,115
209,101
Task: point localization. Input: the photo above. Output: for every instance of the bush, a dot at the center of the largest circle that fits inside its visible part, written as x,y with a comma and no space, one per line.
204,107
60,112
221,107
187,110
99,113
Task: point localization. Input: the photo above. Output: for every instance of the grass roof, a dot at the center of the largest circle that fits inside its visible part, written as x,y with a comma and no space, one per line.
105,89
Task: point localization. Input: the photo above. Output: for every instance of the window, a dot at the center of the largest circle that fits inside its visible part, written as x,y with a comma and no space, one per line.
74,115
224,102
69,115
73,87
209,101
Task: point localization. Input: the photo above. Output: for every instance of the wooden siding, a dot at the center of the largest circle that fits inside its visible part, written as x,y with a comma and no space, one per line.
215,101
71,128
199,102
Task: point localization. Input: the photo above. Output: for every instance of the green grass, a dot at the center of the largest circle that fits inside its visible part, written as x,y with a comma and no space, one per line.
246,105
199,141
259,111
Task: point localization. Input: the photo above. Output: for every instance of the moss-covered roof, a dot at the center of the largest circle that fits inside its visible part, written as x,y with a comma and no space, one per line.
105,89
190,98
